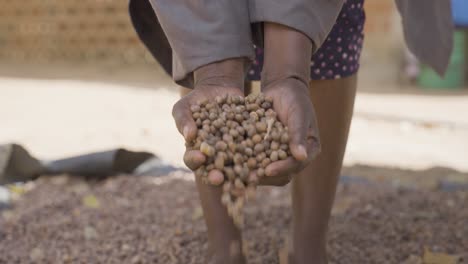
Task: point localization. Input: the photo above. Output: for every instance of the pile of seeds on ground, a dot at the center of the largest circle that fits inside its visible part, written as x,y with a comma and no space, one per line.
240,137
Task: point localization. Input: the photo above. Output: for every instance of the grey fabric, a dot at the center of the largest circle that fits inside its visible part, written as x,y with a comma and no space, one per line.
428,28
205,31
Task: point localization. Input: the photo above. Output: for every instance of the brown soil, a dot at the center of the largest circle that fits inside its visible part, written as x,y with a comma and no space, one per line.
133,220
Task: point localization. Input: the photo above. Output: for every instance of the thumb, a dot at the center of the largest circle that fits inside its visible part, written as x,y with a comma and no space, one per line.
298,129
184,120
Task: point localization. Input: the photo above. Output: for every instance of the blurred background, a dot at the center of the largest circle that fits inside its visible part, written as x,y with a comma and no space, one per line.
74,78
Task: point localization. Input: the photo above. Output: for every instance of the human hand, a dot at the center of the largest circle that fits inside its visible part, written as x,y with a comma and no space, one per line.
217,79
291,101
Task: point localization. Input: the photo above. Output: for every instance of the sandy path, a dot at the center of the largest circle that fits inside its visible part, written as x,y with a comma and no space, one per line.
56,118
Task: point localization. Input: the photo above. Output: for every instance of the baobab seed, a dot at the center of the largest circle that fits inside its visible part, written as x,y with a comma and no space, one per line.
230,116
260,157
227,138
240,148
245,115
261,126
285,138
238,159
275,135
259,148
206,149
274,145
248,151
250,143
234,133
252,163
266,105
254,116
219,162
229,172
257,138
238,169
232,146
282,154
274,156
284,147
239,117
224,130
212,116
268,152
198,122
204,115
196,115
260,112
241,130
265,162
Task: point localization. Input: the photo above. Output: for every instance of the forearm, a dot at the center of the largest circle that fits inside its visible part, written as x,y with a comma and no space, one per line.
287,54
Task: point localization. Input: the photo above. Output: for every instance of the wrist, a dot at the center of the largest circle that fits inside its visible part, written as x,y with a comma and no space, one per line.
226,73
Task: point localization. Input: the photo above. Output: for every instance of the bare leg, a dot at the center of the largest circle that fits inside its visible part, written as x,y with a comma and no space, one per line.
224,239
314,188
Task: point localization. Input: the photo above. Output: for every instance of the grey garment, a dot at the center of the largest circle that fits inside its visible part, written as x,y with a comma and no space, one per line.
203,31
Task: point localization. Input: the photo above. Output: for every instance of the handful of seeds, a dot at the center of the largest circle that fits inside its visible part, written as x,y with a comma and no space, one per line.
240,137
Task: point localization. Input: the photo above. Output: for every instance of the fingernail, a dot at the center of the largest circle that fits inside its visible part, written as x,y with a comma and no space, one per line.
186,132
302,151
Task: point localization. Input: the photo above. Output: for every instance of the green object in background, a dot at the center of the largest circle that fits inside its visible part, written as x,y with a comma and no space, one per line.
455,76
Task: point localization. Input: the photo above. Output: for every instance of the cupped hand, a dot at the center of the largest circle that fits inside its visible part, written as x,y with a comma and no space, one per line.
291,101
186,124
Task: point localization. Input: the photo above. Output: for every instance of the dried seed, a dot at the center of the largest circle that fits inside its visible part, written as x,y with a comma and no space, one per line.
259,148
274,145
232,146
248,151
266,105
206,149
261,126
227,138
238,159
234,133
219,162
265,162
282,154
284,147
238,169
275,135
285,138
260,157
274,155
221,146
257,138
229,172
252,163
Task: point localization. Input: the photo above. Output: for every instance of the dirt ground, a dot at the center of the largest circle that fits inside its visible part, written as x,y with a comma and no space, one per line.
130,219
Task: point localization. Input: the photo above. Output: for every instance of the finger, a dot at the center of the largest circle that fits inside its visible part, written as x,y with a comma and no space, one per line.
298,125
282,167
184,121
215,177
193,159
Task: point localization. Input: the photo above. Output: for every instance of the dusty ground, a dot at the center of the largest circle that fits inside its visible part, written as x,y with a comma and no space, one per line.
158,220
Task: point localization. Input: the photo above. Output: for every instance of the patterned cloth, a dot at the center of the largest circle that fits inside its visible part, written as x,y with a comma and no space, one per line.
339,56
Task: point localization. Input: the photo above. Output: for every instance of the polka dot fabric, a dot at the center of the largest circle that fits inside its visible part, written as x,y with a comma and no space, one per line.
339,55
